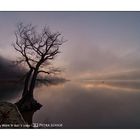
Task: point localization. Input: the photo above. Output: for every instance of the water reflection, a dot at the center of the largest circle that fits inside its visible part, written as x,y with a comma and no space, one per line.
88,104
28,116
129,86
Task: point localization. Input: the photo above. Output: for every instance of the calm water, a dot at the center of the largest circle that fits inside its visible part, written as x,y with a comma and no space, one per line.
87,104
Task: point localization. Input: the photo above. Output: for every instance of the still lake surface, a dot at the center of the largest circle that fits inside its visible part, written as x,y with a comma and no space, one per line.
85,104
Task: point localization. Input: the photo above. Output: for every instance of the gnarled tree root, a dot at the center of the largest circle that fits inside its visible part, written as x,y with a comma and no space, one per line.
28,104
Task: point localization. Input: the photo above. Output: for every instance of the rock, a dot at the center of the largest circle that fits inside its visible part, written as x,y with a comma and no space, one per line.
9,114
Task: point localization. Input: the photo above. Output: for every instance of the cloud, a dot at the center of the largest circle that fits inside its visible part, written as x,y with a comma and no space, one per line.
124,75
8,70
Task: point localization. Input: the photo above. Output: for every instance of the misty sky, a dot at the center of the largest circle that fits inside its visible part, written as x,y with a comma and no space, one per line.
100,44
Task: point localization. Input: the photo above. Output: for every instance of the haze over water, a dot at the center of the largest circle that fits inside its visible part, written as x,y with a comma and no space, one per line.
101,59
91,104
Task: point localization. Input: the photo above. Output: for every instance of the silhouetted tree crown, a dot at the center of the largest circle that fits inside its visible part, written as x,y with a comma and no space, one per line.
37,49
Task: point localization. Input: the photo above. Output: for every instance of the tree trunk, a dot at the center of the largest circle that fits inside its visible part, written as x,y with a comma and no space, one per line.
27,82
27,102
33,82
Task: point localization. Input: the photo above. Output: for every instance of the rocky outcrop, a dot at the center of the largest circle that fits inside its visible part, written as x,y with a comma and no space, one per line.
10,115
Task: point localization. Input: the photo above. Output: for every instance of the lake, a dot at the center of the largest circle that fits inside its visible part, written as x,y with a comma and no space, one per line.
86,104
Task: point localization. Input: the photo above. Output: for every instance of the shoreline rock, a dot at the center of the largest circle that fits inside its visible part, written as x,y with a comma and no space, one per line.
10,115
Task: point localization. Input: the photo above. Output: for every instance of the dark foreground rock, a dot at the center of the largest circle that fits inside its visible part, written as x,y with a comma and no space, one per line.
9,114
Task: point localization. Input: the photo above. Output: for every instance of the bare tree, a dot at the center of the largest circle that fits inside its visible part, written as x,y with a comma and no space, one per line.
37,50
